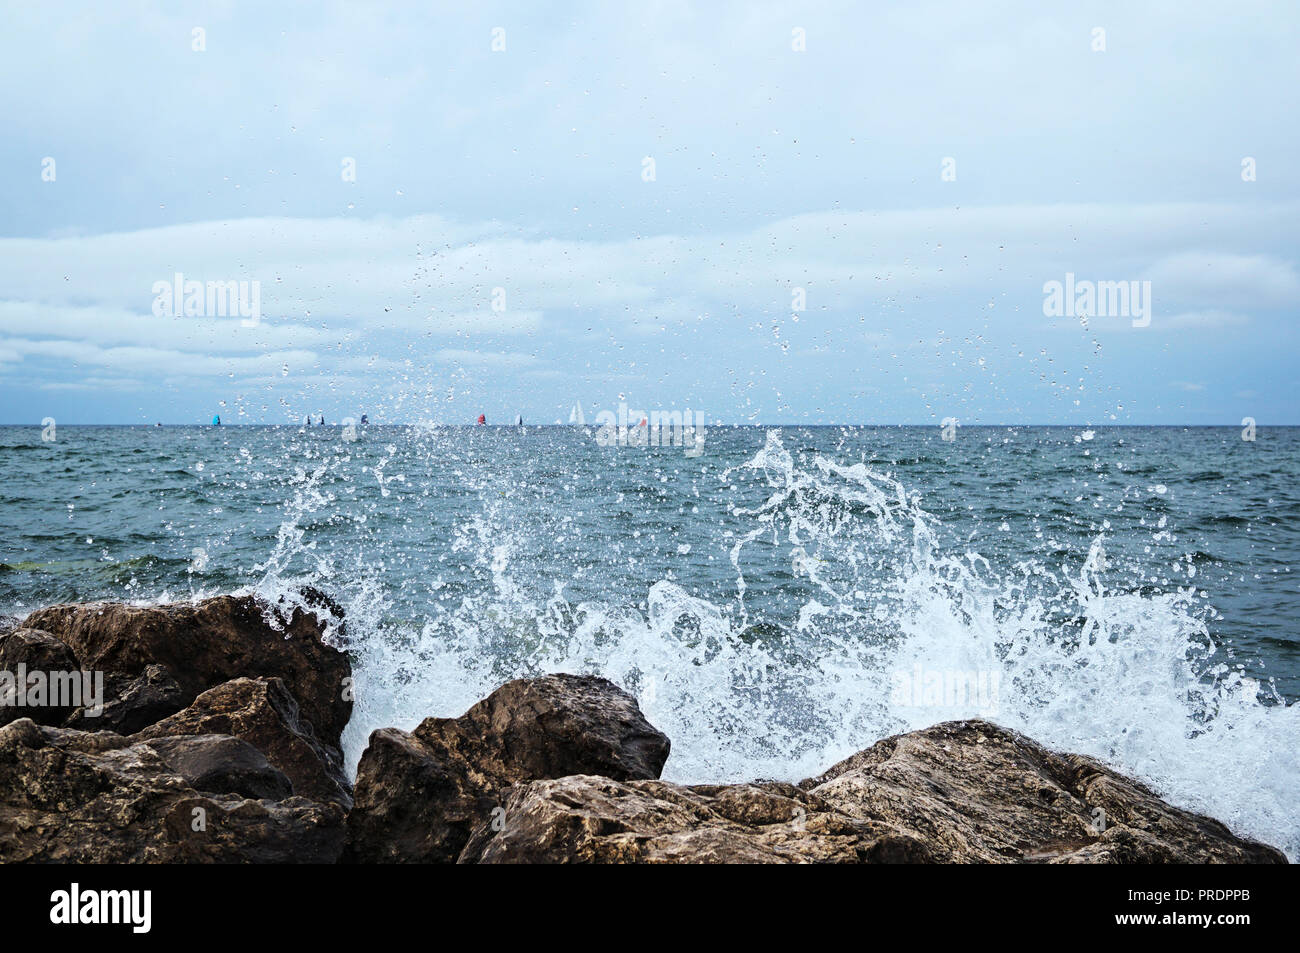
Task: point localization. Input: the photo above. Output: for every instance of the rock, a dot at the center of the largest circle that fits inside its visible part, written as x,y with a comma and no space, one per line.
26,654
94,797
419,795
132,702
552,726
223,764
958,792
37,650
206,643
263,713
586,819
320,604
981,793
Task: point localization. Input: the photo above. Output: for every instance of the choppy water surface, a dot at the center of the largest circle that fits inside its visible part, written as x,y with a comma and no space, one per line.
776,603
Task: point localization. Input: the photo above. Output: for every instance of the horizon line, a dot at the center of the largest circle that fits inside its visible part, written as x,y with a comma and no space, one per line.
513,426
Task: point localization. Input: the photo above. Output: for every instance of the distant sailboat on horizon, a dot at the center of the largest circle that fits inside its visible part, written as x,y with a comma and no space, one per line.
576,416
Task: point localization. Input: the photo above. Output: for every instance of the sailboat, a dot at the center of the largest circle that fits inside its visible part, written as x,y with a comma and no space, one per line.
578,419
519,420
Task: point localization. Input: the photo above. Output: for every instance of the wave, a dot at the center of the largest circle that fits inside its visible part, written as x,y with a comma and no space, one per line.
896,627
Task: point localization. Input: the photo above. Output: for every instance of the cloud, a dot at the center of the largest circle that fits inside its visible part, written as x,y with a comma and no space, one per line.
370,306
485,358
145,361
1225,278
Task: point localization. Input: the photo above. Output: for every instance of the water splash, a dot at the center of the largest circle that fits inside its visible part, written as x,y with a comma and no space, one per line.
893,623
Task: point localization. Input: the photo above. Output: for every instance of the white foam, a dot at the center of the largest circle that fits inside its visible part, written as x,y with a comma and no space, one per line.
1131,678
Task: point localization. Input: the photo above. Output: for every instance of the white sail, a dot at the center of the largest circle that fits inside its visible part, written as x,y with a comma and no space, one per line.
576,416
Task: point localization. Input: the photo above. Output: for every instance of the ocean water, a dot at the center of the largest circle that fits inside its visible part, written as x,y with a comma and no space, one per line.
778,602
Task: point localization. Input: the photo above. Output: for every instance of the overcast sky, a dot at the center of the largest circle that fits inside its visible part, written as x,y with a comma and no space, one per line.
439,228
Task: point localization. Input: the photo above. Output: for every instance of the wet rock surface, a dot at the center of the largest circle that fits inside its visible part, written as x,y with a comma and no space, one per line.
92,797
204,644
587,819
25,650
132,702
222,764
198,749
208,749
262,712
983,793
958,792
419,795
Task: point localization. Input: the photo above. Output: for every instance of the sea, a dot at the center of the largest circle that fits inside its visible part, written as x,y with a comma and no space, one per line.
777,598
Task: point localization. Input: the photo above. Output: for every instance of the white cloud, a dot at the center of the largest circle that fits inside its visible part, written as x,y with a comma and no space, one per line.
1225,278
487,358
372,303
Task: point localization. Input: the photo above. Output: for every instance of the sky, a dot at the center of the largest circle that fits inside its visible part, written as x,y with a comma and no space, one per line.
768,213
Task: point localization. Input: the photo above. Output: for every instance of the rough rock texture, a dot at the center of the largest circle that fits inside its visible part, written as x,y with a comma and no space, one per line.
419,795
957,792
207,643
586,819
132,702
217,719
39,652
263,713
979,792
36,649
93,797
223,764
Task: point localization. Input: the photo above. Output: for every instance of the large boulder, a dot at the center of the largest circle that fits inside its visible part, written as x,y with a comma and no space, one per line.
982,793
420,794
958,792
94,797
204,644
587,819
263,713
40,661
